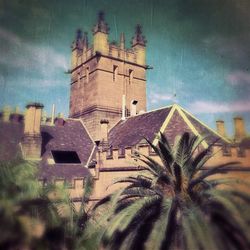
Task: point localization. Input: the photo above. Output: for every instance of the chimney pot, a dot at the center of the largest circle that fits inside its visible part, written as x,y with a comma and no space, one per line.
104,130
239,129
32,140
221,128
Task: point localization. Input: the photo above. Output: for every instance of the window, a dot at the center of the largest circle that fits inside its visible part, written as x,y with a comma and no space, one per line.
121,152
115,73
109,154
65,157
87,74
130,76
241,152
78,80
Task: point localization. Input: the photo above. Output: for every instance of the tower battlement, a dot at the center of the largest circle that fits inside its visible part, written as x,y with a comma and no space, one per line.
104,74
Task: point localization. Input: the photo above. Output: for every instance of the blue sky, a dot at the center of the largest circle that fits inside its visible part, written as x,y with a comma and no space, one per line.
199,50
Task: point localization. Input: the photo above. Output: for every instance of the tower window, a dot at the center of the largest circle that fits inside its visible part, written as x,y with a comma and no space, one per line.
131,76
87,74
66,157
115,73
78,80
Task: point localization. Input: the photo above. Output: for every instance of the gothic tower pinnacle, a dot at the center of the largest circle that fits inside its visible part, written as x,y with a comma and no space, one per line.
106,77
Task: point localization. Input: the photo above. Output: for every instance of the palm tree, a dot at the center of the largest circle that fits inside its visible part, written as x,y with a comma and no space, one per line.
79,227
41,217
176,204
26,208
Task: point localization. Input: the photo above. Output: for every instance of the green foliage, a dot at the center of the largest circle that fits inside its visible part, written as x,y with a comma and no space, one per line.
176,204
41,217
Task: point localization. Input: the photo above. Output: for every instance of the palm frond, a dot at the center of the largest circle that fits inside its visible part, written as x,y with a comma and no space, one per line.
163,150
171,227
198,233
215,170
178,177
102,201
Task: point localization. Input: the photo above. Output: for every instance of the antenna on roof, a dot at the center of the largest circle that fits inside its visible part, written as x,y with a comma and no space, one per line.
53,114
123,107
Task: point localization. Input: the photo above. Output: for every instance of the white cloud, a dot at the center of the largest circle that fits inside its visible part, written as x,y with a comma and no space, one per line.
22,54
239,77
9,36
235,48
219,107
155,98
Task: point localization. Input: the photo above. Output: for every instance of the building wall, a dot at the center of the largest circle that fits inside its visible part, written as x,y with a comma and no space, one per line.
109,167
98,94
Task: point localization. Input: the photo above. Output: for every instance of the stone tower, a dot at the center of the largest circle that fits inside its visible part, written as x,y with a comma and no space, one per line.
107,79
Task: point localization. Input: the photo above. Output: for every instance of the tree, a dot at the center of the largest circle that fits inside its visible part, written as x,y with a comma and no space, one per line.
177,204
26,209
34,216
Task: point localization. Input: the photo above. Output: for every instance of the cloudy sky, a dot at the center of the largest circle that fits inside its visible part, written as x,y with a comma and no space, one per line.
199,50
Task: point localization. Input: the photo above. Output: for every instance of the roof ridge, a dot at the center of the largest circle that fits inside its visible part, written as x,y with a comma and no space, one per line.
165,122
191,125
94,145
154,110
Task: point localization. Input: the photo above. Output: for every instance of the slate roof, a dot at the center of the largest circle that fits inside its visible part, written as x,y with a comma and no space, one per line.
132,130
174,119
10,136
67,172
204,130
71,136
245,143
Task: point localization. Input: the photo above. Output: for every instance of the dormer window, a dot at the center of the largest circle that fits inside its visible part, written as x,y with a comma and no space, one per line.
66,157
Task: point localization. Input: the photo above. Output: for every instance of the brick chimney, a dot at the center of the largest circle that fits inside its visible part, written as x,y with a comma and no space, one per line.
32,140
221,128
239,129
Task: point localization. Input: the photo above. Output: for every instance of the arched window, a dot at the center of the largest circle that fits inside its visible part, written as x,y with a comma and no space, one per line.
115,73
131,76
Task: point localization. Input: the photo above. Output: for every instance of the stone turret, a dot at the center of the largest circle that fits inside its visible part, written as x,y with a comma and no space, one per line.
85,41
104,75
77,48
100,35
122,41
138,45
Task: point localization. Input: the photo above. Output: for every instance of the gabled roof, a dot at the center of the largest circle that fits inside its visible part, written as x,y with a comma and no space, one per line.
131,131
71,136
172,121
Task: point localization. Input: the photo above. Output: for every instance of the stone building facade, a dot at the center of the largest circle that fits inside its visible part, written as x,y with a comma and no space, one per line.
106,77
108,121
